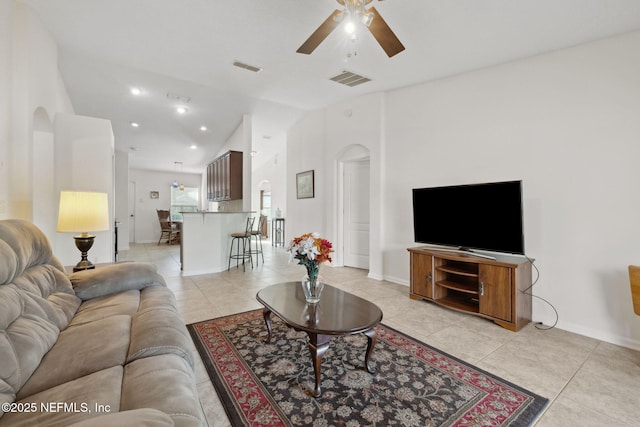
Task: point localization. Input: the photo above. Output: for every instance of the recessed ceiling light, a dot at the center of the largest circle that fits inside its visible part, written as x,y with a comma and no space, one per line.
181,110
193,146
135,124
203,128
136,91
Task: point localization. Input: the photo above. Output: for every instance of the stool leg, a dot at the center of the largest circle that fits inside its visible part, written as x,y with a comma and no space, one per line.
230,254
248,239
238,255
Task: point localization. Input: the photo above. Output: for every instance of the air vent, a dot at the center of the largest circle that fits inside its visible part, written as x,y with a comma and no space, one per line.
350,79
247,66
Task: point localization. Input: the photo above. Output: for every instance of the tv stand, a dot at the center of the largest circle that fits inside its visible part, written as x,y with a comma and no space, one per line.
471,283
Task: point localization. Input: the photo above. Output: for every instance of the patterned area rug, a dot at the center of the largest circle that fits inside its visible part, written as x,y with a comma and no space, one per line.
413,384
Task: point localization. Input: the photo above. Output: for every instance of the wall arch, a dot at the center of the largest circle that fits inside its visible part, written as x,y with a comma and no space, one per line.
42,174
353,152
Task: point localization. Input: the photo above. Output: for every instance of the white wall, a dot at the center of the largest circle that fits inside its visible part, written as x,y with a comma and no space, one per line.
147,227
6,64
305,151
566,123
84,161
121,199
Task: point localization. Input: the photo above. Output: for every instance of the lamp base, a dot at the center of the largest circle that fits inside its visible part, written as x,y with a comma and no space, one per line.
84,243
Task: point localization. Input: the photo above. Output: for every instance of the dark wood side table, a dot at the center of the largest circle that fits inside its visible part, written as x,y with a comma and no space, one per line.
338,313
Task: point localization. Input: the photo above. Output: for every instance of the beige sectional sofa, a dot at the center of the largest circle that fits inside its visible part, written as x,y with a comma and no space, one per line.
100,347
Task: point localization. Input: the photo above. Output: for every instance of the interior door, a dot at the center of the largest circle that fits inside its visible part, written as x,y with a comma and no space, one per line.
132,211
356,214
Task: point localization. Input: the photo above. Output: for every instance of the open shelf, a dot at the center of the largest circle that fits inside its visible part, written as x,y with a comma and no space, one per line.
461,304
459,269
460,287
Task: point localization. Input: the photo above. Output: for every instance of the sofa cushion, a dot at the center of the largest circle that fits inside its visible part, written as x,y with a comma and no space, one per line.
22,346
101,388
80,351
157,327
146,417
107,306
26,246
165,383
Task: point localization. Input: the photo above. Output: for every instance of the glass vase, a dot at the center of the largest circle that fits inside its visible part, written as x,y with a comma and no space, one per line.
312,288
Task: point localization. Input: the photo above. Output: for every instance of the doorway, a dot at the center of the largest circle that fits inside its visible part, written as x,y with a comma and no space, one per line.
354,207
132,211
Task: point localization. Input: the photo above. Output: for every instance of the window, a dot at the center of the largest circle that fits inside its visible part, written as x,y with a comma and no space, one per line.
186,200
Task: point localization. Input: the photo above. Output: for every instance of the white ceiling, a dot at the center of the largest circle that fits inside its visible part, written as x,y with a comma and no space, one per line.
187,47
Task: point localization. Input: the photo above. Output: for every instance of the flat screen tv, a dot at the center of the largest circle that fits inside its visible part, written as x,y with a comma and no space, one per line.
477,216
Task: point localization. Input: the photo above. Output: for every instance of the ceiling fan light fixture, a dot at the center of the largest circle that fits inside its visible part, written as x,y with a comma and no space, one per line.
349,27
357,11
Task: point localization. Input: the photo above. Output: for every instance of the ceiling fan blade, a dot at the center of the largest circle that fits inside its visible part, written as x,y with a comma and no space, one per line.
321,33
383,34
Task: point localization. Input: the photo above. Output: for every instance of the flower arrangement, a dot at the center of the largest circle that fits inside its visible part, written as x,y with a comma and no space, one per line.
310,250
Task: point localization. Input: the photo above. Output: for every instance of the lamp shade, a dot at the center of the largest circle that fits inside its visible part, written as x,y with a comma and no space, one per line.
83,212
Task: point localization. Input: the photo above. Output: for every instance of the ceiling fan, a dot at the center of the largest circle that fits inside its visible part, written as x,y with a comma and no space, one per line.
356,11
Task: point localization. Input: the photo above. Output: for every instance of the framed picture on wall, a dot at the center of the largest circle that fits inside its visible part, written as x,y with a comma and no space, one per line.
305,185
154,194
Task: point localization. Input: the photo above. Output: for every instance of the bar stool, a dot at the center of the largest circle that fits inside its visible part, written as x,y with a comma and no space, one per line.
257,233
245,238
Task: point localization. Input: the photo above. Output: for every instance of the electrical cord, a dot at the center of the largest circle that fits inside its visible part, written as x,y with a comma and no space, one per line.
529,292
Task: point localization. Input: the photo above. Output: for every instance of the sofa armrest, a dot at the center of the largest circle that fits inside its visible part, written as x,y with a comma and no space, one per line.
115,278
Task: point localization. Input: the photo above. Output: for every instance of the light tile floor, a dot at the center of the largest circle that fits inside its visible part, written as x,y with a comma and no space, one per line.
589,382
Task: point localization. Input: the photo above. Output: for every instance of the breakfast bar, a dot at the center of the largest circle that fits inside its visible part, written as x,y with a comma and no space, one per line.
205,240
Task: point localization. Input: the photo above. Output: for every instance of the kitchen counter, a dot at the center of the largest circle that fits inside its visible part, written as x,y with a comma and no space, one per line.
205,240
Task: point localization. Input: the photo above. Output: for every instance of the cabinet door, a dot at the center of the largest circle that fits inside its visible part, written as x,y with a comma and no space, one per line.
226,185
422,275
235,175
495,291
218,179
210,182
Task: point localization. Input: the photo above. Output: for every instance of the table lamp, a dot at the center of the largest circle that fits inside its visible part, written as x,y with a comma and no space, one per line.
82,212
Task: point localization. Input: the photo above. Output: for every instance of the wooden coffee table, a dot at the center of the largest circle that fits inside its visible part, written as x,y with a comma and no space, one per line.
338,313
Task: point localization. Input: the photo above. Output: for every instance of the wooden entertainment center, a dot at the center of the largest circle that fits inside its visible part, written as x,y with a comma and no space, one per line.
493,289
